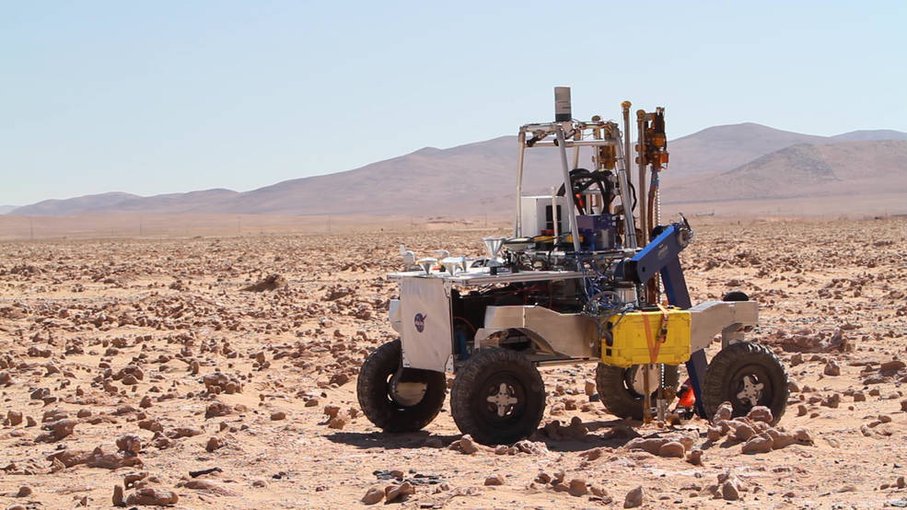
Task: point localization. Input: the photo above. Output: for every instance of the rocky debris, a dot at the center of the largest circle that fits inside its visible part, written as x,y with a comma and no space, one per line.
373,496
278,415
209,486
218,382
214,443
673,444
24,492
465,445
57,430
148,496
118,498
130,444
578,487
576,430
398,492
98,458
217,409
832,368
635,498
268,283
904,405
13,418
495,479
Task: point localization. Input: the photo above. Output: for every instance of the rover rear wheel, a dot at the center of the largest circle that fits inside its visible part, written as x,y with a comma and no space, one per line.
398,401
498,397
621,389
746,374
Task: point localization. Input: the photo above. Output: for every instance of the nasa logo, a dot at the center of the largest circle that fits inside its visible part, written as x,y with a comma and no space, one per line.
419,322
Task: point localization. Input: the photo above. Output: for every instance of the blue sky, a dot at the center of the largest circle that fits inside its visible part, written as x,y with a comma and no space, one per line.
156,97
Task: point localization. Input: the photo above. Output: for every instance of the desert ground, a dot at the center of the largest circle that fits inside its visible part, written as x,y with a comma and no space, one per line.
139,371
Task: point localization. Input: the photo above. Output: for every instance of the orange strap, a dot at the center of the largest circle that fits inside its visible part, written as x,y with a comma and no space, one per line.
654,343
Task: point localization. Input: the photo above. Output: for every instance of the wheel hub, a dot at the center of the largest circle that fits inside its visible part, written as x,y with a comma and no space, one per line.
750,390
407,394
638,382
503,400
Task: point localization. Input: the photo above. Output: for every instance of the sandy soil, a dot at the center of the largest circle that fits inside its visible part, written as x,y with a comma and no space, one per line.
138,362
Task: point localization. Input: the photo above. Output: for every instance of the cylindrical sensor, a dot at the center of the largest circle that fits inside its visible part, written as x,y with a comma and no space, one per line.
562,109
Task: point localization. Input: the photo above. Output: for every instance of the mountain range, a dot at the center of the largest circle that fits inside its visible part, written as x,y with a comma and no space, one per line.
718,164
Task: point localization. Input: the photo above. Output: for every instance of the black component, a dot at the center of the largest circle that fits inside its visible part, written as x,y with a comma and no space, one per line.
746,374
615,387
735,295
581,180
498,397
375,390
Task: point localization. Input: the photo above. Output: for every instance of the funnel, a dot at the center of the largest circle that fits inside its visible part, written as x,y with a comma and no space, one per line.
493,246
426,264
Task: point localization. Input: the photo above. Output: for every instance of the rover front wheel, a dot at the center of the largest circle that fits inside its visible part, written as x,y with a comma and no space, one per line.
746,374
396,400
621,389
498,397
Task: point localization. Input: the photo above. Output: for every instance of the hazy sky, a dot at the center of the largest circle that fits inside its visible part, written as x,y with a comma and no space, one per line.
167,96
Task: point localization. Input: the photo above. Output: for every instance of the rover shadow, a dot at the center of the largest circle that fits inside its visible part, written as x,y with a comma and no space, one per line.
610,434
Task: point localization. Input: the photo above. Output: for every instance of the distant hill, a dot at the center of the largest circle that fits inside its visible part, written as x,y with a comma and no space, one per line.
805,170
7,208
733,162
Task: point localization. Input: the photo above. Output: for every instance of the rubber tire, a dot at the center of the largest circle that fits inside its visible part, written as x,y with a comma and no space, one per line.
467,397
619,400
373,392
716,388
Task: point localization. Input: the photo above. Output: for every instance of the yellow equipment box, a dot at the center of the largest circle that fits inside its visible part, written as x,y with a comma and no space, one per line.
637,338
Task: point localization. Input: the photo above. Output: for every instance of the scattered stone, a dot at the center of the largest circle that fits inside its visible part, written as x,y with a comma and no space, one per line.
465,445
57,430
216,409
761,413
832,368
278,415
14,418
399,492
672,449
494,479
24,492
634,498
214,443
118,499
130,443
153,497
373,496
269,283
578,487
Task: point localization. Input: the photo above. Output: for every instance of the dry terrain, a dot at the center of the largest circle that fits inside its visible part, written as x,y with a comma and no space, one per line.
147,370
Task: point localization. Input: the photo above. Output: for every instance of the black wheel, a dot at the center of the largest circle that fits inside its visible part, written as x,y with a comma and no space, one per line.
497,397
394,400
746,374
735,295
621,389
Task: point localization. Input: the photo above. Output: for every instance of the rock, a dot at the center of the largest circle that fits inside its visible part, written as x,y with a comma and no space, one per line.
24,492
672,449
832,368
730,491
339,379
278,415
724,412
634,498
464,445
331,411
216,409
214,443
832,401
57,430
373,496
146,402
269,283
892,366
695,457
337,422
904,405
761,413
5,378
762,443
494,479
531,447
590,388
578,487
209,486
100,458
743,431
130,443
859,396
15,418
152,497
118,499
401,492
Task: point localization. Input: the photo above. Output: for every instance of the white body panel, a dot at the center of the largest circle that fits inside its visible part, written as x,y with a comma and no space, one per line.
425,325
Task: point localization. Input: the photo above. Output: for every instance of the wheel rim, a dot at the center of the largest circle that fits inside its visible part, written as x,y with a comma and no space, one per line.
750,387
503,399
405,394
635,380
